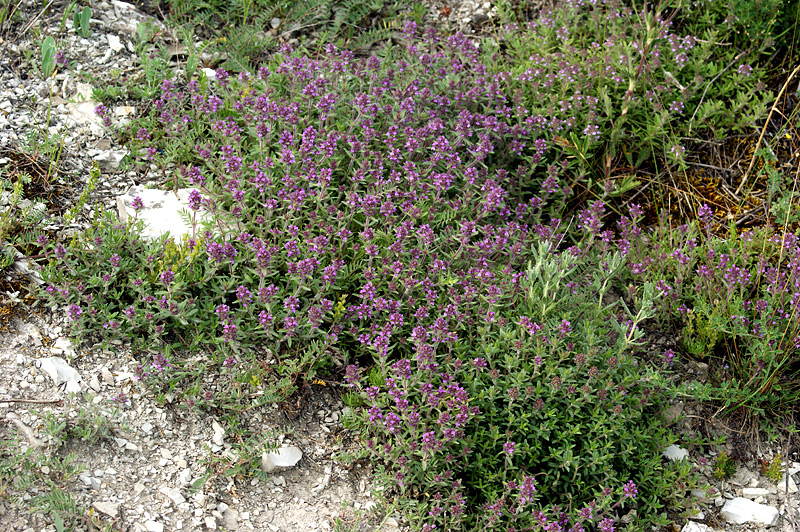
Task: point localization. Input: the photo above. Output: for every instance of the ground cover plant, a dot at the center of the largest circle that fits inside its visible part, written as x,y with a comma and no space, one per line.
366,205
735,302
627,89
407,222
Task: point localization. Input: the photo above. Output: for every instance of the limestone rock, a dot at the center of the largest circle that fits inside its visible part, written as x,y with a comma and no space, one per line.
675,453
61,373
111,509
284,458
740,510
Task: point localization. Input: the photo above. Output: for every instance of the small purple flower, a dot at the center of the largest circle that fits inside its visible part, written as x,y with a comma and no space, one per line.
429,441
607,525
669,356
479,363
526,490
290,304
705,213
290,324
222,312
509,447
244,295
745,70
106,278
195,200
630,489
137,204
104,113
229,332
264,318
42,240
167,277
160,362
115,260
351,375
74,311
229,362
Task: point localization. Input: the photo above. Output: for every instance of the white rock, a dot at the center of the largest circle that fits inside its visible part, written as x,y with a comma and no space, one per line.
109,160
111,509
94,384
154,526
81,110
210,73
60,372
740,510
674,453
107,376
782,485
691,526
174,495
31,334
211,523
113,42
284,458
185,476
230,519
161,212
219,434
123,376
65,346
752,493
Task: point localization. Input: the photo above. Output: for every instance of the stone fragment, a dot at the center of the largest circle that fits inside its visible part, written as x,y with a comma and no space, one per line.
109,160
94,383
284,458
26,431
219,434
174,495
185,476
111,509
211,523
114,42
63,345
752,493
61,373
92,482
782,485
230,519
740,510
154,526
674,453
161,212
107,376
691,526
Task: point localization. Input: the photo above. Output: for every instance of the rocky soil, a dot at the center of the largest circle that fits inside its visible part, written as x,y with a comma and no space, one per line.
140,460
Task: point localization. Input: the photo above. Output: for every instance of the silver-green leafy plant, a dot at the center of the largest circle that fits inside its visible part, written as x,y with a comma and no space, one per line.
80,21
48,56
